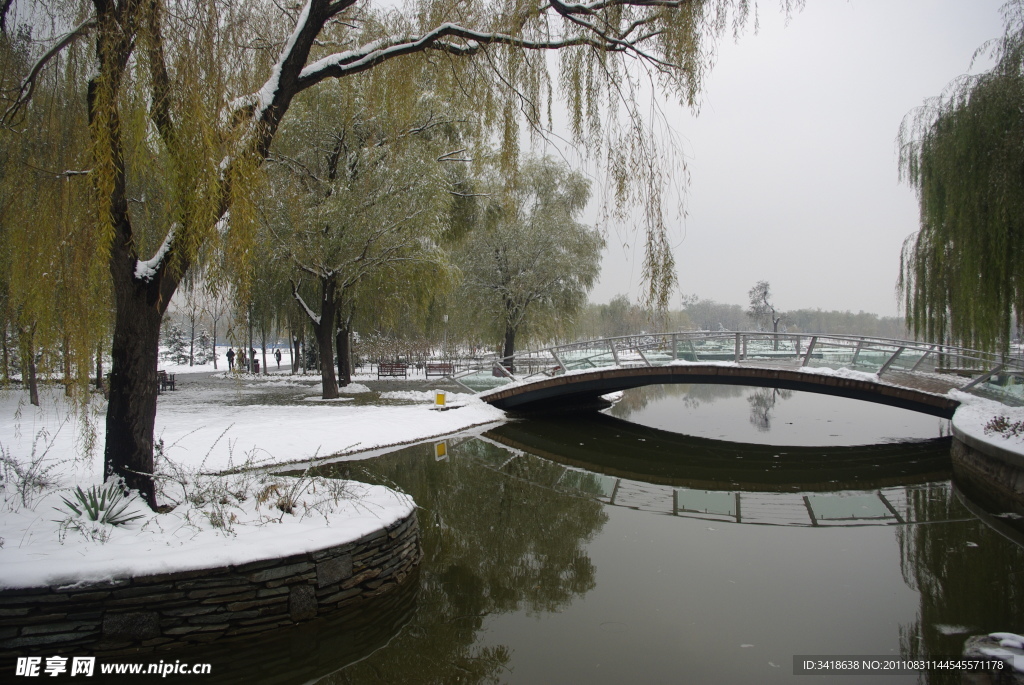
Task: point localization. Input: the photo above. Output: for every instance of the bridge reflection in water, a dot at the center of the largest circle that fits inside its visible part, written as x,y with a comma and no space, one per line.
531,558
627,465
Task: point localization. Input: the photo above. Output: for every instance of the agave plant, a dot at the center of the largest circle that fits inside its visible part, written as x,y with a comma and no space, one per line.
104,504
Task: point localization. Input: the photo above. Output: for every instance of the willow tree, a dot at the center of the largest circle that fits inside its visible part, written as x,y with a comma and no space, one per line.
962,273
531,262
354,191
190,95
54,294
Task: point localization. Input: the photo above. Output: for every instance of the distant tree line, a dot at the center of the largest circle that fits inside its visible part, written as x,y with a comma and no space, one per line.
622,317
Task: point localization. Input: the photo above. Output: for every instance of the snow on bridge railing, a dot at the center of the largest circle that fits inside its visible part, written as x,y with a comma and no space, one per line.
990,373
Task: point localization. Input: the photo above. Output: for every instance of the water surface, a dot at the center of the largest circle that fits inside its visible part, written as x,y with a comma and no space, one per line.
597,550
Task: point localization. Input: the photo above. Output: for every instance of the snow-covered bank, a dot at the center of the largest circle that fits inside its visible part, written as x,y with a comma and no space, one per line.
217,520
974,415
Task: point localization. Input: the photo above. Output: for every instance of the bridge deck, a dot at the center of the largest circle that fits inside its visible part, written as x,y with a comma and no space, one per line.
898,373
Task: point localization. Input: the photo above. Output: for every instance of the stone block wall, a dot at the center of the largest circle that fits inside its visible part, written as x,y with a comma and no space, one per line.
991,470
147,613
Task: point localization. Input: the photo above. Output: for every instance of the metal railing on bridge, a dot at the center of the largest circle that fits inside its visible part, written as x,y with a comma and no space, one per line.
997,376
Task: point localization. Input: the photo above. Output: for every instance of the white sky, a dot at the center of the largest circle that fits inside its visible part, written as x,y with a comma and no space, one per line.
793,157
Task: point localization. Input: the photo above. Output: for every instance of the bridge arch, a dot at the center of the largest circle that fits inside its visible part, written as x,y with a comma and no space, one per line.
907,374
579,390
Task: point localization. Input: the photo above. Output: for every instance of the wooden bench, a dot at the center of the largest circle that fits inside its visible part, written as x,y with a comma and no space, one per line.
165,381
440,369
393,369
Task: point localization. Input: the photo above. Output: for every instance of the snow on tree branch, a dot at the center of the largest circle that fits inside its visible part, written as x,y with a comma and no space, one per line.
145,270
28,84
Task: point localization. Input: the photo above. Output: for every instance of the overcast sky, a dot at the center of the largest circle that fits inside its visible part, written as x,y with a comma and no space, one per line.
793,159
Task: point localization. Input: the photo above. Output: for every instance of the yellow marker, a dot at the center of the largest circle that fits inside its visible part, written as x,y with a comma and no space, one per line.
439,398
440,451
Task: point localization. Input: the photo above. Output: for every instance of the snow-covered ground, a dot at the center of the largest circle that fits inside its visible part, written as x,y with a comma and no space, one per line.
205,428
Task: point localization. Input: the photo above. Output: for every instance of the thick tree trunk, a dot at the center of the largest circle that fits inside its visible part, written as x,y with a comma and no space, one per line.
295,353
131,411
344,352
325,341
215,344
509,348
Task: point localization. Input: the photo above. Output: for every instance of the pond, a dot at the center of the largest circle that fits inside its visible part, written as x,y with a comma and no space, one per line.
599,549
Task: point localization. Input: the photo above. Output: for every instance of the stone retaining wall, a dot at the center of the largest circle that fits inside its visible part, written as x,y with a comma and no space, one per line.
185,608
989,472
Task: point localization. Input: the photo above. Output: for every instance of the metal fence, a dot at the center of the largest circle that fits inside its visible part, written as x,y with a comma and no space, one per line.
991,374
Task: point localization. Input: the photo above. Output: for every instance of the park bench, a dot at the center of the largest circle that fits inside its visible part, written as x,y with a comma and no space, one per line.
165,381
392,369
440,369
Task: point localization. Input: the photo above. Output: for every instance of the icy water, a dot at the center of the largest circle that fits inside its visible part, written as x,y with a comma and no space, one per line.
601,550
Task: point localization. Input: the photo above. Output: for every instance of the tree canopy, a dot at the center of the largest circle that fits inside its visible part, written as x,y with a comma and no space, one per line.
762,310
530,262
184,98
962,273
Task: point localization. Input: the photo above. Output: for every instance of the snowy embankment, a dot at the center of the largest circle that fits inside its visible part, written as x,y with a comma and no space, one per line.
216,519
974,415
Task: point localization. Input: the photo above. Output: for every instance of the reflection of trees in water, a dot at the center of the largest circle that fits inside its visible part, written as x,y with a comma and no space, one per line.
970,578
692,396
762,401
495,540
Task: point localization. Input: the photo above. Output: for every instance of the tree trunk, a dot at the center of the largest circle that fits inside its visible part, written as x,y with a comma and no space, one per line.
7,357
295,353
192,344
325,338
67,367
509,348
250,354
215,344
344,352
99,367
30,365
131,412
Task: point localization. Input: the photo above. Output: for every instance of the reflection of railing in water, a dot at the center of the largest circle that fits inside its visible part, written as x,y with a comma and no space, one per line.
882,506
930,367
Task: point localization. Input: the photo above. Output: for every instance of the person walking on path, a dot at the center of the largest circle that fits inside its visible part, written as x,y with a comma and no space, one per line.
231,359
277,356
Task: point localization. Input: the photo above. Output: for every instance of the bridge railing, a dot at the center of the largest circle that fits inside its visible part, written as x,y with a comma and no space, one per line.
979,371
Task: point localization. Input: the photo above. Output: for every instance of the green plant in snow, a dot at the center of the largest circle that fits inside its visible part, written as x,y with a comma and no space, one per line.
104,504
